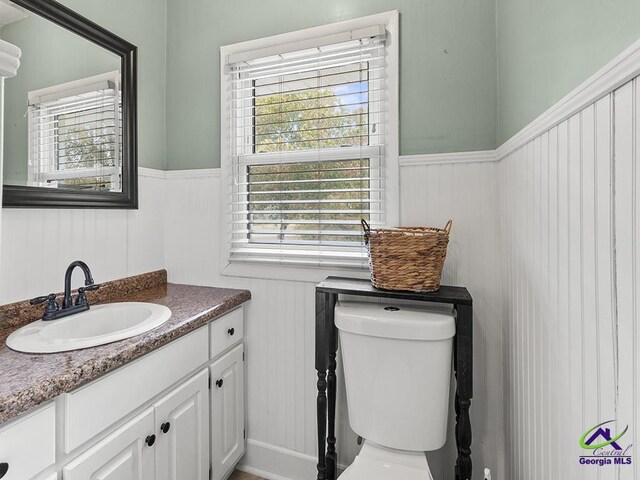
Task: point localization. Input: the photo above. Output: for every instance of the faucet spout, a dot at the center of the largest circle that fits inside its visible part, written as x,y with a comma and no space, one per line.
88,280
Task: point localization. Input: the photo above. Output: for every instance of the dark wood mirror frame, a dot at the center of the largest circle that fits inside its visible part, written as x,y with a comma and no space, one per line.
35,197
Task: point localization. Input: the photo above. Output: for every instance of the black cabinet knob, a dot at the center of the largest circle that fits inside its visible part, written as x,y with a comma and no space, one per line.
150,440
165,427
231,331
219,383
4,468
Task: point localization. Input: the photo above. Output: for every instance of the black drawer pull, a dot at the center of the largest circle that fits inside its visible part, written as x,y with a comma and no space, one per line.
231,331
219,383
150,440
165,427
4,468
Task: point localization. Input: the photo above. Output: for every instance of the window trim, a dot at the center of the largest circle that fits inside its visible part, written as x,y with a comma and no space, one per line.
318,35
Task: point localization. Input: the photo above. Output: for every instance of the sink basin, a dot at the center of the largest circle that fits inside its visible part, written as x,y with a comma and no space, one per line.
97,326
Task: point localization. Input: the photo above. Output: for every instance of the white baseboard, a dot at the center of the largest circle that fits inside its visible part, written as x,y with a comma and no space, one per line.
261,473
277,463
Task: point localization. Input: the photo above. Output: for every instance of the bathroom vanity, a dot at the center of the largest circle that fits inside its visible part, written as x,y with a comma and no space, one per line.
327,345
168,404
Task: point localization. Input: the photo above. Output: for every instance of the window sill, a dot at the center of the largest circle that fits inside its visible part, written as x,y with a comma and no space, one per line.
295,273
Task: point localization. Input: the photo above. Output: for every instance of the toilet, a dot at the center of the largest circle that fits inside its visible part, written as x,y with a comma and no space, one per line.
397,367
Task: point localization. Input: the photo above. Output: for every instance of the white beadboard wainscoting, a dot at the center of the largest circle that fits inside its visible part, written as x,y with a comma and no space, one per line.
570,220
280,330
38,244
466,191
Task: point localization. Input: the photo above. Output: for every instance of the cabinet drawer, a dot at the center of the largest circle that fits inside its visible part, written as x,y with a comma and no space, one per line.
226,332
27,446
100,404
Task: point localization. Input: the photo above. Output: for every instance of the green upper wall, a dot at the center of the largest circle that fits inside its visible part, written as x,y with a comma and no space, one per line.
447,75
143,23
546,48
460,88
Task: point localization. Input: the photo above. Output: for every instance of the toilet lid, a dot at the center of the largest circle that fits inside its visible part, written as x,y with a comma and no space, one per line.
371,469
396,321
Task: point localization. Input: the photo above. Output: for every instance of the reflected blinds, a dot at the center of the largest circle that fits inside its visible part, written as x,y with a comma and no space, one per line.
307,153
75,138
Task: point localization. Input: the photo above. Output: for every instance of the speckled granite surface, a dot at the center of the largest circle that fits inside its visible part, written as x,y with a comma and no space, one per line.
27,380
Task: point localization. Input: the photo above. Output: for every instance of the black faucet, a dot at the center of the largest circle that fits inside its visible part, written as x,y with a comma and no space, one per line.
69,307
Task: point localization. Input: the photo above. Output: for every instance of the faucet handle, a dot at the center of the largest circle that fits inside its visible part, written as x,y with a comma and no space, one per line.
52,305
39,300
81,299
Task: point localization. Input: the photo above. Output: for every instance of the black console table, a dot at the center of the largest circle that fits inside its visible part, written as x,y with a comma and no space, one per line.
327,345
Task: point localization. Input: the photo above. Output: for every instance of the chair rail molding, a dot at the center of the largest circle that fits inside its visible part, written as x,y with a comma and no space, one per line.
151,173
448,158
611,76
178,174
198,173
404,161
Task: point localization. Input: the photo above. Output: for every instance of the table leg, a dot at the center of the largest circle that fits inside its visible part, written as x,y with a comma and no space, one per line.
463,360
332,456
322,424
322,358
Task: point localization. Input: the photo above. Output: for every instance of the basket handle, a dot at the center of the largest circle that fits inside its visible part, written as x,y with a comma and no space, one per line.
367,230
447,227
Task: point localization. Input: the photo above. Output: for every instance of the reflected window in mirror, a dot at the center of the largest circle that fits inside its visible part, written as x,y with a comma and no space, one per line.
75,135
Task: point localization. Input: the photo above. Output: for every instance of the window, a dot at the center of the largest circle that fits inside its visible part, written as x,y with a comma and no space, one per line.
307,126
75,132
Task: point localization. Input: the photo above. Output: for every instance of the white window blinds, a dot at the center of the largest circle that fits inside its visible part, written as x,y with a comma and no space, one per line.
75,135
306,150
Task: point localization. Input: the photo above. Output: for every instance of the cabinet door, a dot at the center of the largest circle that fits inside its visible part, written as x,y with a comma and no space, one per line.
227,412
182,428
123,455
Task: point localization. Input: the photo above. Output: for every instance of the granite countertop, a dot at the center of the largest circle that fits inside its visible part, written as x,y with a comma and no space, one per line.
28,380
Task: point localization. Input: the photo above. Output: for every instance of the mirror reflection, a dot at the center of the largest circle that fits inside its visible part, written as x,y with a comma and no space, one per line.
63,113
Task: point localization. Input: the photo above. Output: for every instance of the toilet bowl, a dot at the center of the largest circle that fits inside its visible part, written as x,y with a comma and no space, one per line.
375,462
397,367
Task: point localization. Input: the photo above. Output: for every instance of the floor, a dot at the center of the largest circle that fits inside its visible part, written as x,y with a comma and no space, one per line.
238,475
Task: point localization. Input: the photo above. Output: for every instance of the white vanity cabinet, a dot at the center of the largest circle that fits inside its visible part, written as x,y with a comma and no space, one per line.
176,413
123,455
227,412
169,441
95,407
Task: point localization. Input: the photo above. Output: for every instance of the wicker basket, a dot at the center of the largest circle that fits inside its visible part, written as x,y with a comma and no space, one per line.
407,258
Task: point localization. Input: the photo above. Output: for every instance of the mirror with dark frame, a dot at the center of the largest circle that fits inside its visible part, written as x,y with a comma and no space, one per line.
70,113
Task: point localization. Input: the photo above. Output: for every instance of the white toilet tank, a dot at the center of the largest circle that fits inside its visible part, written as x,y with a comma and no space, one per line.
397,367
